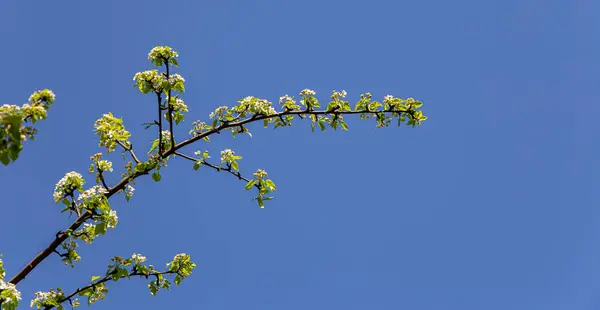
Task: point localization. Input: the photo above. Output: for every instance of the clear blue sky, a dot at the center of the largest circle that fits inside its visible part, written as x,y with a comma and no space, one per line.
492,204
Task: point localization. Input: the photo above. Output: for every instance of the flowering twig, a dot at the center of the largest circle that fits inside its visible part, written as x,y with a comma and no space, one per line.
107,278
257,117
228,168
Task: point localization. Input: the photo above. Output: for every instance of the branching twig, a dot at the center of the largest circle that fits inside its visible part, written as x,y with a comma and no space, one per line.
130,150
101,176
228,169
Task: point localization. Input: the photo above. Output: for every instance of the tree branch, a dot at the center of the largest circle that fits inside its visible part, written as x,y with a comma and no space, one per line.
61,236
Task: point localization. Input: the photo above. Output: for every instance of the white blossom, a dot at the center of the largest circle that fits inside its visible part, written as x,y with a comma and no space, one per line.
41,297
260,174
138,258
226,154
71,181
307,92
178,105
113,219
12,291
130,190
338,95
162,51
218,111
174,78
91,193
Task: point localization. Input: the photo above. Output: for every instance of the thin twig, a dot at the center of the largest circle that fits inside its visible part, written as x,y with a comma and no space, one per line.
130,150
228,169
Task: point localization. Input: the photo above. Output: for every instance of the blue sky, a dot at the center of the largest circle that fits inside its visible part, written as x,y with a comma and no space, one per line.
491,204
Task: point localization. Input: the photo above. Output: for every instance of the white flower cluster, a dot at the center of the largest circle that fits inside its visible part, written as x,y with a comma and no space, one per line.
174,78
204,154
10,290
218,111
338,95
113,219
307,92
226,154
9,109
260,174
388,98
148,76
105,165
87,233
43,95
129,190
41,297
257,105
68,183
164,52
92,193
110,129
35,109
166,137
138,258
178,105
286,99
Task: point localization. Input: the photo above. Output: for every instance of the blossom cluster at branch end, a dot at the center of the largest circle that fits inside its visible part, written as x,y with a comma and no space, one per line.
13,131
9,295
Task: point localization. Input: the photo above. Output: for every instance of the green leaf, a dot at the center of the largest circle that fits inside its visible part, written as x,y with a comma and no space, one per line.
154,145
322,126
94,278
250,184
156,176
343,124
235,166
260,202
4,158
100,229
197,165
86,292
270,184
